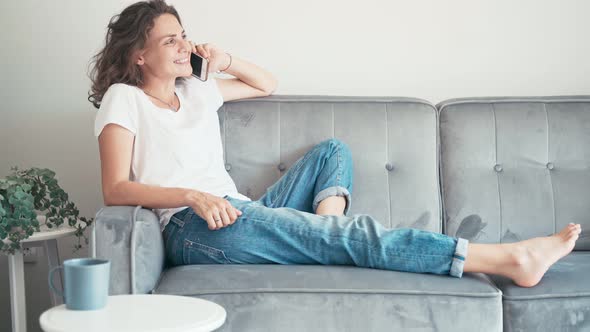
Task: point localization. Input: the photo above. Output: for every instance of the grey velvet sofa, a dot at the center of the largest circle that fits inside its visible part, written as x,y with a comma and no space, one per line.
486,169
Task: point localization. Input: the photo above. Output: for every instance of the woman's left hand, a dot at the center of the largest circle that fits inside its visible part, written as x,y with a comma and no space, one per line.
217,58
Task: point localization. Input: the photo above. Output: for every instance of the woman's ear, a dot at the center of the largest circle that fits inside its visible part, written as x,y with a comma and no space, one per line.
139,59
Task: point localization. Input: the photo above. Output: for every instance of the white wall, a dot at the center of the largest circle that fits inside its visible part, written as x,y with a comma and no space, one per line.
426,48
429,49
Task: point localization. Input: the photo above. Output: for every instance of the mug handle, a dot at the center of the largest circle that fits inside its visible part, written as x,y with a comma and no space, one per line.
51,286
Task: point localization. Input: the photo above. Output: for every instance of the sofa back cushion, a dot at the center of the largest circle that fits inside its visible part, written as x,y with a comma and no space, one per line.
515,168
393,143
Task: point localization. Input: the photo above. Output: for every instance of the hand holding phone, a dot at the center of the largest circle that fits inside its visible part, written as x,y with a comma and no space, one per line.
216,57
200,66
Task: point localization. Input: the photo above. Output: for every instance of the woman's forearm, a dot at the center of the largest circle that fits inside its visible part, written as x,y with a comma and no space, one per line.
148,196
251,74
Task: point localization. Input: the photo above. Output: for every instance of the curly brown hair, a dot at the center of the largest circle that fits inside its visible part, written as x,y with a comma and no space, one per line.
127,33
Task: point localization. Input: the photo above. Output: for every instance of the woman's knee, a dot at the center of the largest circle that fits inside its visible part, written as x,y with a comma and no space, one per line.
344,153
334,144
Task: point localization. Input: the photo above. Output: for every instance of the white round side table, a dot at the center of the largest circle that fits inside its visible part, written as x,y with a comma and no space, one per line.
141,312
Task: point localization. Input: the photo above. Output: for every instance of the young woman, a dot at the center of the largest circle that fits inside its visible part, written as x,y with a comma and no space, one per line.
160,147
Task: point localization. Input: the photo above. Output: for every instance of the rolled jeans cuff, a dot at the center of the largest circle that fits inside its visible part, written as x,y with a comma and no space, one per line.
332,191
459,258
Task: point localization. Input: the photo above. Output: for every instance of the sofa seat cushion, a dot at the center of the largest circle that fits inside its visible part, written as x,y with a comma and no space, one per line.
559,302
320,297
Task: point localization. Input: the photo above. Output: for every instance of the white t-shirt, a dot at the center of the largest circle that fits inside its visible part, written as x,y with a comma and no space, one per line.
172,149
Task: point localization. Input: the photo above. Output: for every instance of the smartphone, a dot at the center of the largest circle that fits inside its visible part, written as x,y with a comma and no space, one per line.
200,66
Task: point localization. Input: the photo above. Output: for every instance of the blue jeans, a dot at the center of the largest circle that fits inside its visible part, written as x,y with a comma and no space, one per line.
281,228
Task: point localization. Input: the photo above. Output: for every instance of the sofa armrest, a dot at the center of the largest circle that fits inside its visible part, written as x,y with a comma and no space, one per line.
130,237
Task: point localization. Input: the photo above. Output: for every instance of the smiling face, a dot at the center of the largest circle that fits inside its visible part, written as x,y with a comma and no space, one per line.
166,54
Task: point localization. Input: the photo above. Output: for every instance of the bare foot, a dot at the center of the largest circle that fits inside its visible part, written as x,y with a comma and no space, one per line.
533,257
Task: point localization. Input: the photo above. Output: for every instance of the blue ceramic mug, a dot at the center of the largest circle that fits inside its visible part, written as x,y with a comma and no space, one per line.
86,283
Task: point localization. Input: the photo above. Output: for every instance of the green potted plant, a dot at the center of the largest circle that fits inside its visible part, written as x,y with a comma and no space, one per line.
23,194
